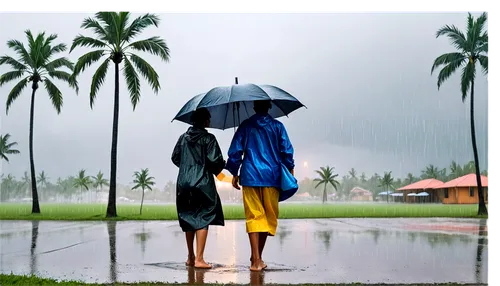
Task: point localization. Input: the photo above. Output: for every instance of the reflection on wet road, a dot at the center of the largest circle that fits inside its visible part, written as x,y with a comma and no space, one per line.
328,250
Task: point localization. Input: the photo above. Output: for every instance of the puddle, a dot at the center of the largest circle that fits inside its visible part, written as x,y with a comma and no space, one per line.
424,250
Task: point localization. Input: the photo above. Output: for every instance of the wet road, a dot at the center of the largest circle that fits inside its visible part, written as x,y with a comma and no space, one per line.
312,251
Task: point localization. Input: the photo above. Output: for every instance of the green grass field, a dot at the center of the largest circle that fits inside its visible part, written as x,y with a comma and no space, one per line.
235,212
33,280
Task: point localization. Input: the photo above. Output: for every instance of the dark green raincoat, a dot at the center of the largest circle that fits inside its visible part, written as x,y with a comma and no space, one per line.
199,158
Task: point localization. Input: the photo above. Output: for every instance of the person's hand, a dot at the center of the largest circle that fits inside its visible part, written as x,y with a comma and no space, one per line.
292,172
236,181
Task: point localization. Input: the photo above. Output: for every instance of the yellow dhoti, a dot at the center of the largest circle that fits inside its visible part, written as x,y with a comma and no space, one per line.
261,209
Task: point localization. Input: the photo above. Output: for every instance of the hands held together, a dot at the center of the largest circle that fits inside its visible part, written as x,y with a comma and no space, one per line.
236,180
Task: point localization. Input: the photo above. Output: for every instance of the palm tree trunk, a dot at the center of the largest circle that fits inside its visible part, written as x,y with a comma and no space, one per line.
387,190
111,211
142,200
482,206
325,198
35,208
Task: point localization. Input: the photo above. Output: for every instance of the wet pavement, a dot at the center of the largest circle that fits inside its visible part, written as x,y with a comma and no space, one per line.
303,251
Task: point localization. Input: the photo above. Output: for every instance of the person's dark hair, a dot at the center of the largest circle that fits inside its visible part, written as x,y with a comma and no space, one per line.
262,106
200,116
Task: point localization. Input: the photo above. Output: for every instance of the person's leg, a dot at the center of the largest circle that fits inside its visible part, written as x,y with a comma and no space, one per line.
190,242
201,240
270,203
255,223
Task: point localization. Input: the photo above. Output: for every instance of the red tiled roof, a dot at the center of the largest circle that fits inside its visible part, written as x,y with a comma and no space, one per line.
464,181
361,191
422,185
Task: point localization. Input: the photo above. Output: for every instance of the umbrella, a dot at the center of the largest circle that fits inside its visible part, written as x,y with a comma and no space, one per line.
230,105
397,194
411,194
422,194
385,193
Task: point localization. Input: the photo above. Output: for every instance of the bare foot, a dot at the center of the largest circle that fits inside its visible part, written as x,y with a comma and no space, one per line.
201,264
257,265
190,260
264,265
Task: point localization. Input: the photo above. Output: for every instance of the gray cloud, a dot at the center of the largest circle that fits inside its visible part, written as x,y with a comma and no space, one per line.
365,78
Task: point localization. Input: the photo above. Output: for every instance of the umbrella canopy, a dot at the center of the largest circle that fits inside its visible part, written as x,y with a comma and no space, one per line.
385,193
411,194
422,194
231,105
397,194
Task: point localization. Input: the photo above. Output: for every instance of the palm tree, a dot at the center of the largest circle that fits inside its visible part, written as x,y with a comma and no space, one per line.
6,147
7,186
410,178
25,180
472,49
42,180
363,177
113,43
430,172
456,170
352,173
100,181
387,182
143,181
326,176
82,181
36,65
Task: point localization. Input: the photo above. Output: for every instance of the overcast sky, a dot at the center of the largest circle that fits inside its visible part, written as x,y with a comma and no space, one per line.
372,103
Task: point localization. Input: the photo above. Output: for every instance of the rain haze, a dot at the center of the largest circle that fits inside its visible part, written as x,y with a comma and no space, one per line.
372,103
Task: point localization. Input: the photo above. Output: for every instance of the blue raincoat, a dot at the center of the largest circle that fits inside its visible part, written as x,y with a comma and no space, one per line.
265,145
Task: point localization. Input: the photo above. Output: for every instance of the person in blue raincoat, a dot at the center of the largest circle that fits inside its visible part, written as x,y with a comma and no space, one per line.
260,146
199,158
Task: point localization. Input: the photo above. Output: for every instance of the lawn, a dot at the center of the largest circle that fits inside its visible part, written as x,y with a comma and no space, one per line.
235,212
32,280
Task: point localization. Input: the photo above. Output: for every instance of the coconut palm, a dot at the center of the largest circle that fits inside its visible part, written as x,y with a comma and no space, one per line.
363,177
456,170
6,147
35,65
144,181
100,181
326,176
410,178
353,173
472,50
387,182
82,181
25,181
113,43
430,172
42,180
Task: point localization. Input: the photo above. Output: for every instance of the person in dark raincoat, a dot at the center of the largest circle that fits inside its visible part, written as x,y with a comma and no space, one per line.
259,147
198,157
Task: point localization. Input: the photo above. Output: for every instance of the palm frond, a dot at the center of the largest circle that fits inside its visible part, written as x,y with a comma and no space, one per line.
19,48
109,19
448,70
483,61
10,76
12,62
319,184
133,84
456,36
479,27
95,26
147,71
15,92
66,77
35,47
55,94
98,80
468,75
59,48
82,41
60,62
87,60
139,24
447,59
154,45
122,21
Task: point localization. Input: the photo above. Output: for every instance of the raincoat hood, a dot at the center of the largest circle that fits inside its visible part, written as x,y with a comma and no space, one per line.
194,134
261,119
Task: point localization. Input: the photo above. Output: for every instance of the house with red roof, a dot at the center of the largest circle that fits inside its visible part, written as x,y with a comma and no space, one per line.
463,190
422,192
